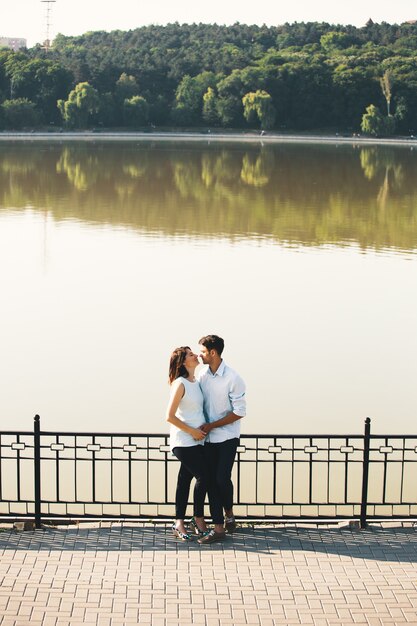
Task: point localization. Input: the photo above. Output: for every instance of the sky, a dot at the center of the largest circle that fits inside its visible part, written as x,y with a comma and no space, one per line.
26,18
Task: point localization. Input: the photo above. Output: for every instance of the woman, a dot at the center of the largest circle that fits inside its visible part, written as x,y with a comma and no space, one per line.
185,414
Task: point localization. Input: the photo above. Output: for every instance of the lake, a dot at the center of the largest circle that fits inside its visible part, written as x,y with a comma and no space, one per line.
302,256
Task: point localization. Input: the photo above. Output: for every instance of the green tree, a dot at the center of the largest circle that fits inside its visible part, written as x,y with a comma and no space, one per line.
318,75
42,81
4,77
386,86
136,111
109,111
82,102
19,113
389,125
258,106
229,110
250,111
335,40
126,86
210,114
189,98
374,123
229,104
354,86
401,111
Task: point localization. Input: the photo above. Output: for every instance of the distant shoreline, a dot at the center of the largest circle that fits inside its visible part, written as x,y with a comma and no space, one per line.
213,137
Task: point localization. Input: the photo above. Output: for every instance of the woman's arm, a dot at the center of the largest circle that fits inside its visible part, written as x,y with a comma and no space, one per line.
173,404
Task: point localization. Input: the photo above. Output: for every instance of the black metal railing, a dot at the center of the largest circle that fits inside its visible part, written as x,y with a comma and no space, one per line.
47,475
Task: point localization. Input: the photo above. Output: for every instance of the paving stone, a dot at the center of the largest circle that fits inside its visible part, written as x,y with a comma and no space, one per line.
111,575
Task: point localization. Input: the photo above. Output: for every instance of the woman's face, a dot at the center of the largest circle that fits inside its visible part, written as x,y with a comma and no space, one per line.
191,359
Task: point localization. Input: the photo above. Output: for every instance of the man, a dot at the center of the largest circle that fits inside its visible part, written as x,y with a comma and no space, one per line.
224,406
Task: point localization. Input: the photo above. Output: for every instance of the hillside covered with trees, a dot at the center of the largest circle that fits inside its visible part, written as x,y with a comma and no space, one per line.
302,76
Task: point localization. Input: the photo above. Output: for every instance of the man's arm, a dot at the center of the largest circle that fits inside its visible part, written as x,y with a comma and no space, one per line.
227,419
237,397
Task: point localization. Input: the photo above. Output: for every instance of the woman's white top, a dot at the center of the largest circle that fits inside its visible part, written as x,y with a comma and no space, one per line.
190,411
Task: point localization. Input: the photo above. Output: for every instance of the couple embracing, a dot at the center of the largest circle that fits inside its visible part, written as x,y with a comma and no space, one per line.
205,412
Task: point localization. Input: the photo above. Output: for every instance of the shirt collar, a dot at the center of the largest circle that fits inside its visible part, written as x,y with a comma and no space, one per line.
220,369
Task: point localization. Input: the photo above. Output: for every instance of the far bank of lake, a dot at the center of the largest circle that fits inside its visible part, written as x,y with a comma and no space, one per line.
215,136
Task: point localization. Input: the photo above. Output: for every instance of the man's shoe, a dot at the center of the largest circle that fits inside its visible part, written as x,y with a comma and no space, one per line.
211,537
230,524
196,530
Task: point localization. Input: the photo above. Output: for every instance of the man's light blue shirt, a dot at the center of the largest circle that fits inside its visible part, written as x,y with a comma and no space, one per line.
224,392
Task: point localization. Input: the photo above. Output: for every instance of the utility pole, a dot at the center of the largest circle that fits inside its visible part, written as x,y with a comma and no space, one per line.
48,5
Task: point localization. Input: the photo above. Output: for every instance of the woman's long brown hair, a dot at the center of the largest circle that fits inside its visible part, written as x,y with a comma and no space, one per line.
176,364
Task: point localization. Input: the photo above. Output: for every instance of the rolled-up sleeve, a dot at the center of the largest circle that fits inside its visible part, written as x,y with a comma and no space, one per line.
237,397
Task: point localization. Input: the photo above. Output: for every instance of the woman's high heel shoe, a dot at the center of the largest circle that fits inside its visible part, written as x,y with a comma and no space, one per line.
196,530
183,536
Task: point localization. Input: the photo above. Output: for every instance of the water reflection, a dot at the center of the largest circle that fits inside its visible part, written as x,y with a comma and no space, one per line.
305,195
94,236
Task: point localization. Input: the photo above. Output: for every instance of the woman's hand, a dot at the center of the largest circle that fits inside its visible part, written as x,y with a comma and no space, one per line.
197,434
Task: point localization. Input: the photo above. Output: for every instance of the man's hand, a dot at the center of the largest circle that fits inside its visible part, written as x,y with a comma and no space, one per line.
206,428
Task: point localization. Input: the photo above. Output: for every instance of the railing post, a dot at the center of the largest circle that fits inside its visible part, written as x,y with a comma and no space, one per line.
365,472
37,470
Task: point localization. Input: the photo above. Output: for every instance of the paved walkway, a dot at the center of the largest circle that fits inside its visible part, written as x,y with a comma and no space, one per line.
139,574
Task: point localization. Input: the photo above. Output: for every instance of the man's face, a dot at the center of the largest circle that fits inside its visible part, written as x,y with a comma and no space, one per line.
205,355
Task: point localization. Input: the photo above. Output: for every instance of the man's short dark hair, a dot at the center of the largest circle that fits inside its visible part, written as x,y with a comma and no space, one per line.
213,342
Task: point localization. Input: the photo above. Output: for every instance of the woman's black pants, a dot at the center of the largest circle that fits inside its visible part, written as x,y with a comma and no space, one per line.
193,465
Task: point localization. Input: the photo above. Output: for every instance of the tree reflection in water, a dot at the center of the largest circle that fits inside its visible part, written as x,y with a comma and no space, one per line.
294,194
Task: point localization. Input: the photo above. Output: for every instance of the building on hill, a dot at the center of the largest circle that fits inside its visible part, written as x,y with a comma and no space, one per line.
15,43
